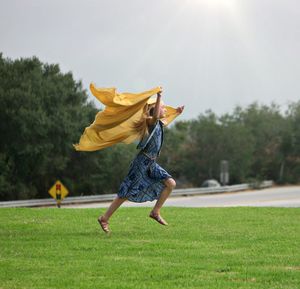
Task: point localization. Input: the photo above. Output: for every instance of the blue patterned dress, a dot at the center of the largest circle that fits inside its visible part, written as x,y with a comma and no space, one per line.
144,181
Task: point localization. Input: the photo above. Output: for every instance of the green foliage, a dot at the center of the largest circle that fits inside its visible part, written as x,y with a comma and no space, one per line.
258,141
42,112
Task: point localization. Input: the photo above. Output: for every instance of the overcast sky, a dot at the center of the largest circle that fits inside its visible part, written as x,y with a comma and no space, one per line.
207,54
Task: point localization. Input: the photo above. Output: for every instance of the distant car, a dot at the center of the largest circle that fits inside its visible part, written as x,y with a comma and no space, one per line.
210,183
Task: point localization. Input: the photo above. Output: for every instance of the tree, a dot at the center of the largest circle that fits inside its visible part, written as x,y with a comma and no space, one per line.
42,112
268,127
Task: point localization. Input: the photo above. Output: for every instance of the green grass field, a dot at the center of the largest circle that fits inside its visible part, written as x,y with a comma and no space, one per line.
239,247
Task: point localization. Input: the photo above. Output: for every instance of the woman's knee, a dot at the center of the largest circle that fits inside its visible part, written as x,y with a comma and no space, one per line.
170,183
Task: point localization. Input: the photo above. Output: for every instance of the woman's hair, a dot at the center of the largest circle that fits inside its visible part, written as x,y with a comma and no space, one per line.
141,126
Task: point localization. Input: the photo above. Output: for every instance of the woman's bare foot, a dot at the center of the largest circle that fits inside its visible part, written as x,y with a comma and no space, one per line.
158,218
104,224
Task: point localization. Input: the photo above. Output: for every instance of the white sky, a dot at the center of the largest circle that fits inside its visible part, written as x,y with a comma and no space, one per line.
207,54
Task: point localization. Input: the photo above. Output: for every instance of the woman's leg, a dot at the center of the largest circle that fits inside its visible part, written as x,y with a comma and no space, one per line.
116,203
170,185
103,220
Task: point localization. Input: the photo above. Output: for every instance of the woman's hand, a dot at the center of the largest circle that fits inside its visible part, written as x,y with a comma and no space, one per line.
160,91
180,109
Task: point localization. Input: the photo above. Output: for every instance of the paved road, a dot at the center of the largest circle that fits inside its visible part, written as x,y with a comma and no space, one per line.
271,197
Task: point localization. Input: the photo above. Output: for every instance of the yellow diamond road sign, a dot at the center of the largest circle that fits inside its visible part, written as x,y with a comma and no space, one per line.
58,191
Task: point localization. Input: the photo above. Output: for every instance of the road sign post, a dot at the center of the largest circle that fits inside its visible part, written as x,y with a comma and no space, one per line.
224,175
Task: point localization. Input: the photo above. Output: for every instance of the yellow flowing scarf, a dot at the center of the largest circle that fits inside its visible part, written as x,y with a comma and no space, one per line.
115,124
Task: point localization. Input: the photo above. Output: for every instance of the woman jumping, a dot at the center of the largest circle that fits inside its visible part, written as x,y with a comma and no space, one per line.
146,180
130,117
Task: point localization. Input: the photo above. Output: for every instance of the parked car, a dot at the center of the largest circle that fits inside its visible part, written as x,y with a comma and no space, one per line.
210,183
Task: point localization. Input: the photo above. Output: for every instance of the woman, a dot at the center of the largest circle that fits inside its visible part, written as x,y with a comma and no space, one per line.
146,180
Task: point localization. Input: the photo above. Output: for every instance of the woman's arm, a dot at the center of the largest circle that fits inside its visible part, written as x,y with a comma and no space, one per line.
156,111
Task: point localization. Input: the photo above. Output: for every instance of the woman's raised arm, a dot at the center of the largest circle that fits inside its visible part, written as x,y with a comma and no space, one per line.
156,112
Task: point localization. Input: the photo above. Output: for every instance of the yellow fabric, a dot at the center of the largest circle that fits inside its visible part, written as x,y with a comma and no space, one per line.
115,123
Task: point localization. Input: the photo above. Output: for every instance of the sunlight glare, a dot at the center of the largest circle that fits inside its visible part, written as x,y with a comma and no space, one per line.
214,4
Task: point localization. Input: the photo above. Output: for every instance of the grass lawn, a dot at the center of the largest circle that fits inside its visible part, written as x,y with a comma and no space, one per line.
239,247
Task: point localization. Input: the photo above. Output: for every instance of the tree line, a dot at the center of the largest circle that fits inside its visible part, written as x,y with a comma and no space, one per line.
44,111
